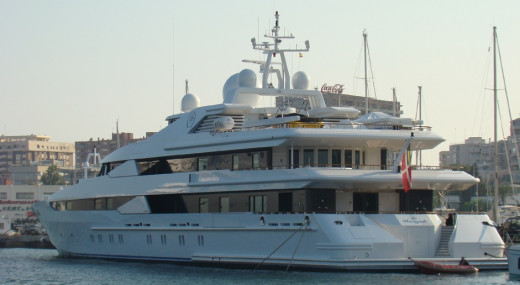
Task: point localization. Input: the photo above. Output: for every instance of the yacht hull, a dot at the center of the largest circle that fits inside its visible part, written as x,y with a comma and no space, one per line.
357,242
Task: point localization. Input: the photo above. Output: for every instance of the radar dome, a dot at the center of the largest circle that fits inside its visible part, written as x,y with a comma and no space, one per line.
247,78
189,102
230,84
300,80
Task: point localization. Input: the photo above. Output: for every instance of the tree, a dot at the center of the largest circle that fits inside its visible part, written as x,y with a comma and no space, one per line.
504,191
471,206
52,176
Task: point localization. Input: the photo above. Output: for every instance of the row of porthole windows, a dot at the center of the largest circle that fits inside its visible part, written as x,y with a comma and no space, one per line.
149,239
111,238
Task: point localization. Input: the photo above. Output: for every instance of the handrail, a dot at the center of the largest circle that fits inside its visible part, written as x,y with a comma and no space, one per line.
356,167
338,125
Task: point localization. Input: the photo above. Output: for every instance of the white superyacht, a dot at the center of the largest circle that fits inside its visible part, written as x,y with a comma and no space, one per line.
298,185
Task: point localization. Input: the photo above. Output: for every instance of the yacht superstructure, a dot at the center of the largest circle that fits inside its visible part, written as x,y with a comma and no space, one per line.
300,184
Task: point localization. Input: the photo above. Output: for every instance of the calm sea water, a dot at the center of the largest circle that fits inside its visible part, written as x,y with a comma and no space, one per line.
44,266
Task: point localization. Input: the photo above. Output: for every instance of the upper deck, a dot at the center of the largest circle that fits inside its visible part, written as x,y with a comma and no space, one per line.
249,118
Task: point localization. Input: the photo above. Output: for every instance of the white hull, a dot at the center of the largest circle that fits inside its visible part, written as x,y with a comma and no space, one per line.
329,241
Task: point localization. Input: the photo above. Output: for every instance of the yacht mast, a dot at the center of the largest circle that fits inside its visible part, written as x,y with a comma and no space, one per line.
419,153
272,50
173,67
118,141
497,213
366,76
394,97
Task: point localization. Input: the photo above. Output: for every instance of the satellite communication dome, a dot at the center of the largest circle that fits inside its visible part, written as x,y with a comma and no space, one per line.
189,102
247,78
230,84
300,80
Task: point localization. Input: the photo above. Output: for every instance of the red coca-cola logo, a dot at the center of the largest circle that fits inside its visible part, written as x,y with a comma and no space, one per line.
335,89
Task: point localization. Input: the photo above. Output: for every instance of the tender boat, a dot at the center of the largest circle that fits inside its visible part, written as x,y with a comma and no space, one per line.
297,184
427,267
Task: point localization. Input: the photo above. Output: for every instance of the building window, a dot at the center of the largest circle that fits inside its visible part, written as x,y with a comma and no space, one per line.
348,158
256,160
3,195
203,205
323,157
100,204
224,204
258,204
203,164
294,158
308,157
110,203
357,158
24,195
336,158
235,162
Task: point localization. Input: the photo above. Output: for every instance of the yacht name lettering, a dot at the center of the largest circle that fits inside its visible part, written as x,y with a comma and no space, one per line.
414,221
336,89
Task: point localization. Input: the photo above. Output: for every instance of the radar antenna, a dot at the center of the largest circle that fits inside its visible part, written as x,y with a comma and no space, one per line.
272,49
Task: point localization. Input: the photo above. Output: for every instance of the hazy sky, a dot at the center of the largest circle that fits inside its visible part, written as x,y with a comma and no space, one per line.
71,69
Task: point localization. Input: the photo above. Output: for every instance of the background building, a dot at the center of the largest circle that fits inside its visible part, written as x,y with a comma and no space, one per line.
359,102
16,200
476,151
334,97
26,153
103,147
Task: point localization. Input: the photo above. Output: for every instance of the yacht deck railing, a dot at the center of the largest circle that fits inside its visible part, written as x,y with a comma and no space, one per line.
340,125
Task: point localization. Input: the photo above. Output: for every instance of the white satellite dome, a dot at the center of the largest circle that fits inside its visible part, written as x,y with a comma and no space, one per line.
231,83
189,102
247,78
300,80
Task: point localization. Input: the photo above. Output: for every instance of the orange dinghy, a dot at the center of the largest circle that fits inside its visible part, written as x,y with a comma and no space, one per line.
435,268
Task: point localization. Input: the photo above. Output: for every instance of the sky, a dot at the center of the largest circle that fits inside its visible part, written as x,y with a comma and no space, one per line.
72,69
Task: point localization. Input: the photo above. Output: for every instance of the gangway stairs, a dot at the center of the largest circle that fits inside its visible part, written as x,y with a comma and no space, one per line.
443,250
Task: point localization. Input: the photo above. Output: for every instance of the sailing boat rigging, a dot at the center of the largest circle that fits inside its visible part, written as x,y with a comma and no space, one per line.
496,52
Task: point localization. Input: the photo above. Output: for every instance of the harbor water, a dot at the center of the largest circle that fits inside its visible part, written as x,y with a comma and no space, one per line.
44,266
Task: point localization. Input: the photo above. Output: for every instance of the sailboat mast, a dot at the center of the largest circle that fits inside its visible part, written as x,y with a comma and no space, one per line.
173,66
497,213
366,76
419,153
394,97
118,141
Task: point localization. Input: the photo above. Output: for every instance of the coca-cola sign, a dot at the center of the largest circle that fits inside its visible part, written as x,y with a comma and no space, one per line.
334,89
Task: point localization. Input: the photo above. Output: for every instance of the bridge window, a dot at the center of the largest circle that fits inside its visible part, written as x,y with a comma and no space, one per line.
224,204
258,204
203,205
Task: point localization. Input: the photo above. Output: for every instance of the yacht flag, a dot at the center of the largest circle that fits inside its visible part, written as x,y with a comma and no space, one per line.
406,169
403,164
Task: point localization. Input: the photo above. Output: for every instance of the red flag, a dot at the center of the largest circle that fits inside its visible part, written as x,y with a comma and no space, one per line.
406,170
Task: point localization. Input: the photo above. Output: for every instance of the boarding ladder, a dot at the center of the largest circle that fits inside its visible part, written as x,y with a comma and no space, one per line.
443,250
